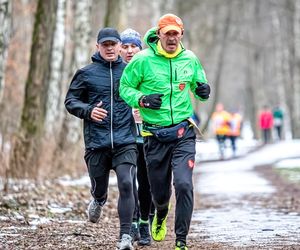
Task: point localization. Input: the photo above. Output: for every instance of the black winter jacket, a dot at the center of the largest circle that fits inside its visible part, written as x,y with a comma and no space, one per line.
99,81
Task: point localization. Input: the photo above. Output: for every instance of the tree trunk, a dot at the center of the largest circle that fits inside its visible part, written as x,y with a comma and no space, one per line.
55,95
296,72
54,98
5,20
250,96
114,14
69,148
25,158
220,64
254,87
281,90
257,64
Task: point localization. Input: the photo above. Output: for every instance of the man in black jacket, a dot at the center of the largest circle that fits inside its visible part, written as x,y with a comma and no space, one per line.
109,129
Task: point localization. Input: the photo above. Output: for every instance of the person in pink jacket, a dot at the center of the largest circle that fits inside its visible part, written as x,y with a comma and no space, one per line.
266,123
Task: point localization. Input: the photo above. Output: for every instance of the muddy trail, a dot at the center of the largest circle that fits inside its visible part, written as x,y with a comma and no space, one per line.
236,207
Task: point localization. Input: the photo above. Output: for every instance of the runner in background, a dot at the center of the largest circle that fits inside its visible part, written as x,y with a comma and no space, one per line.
144,212
278,121
266,123
221,127
235,129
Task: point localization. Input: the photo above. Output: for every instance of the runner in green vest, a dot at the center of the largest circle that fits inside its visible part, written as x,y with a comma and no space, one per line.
158,81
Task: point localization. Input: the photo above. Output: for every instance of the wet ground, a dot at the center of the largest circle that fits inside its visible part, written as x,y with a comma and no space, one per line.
239,204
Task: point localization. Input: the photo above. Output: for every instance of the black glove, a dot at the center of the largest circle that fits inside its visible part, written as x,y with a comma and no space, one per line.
152,101
203,90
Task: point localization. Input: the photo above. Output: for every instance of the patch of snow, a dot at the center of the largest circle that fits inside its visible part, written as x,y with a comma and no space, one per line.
83,181
56,209
4,218
75,221
233,183
289,163
68,181
9,234
208,150
246,226
17,215
33,216
41,220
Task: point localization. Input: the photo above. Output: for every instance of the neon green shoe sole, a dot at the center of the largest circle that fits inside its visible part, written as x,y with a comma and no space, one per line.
159,231
180,246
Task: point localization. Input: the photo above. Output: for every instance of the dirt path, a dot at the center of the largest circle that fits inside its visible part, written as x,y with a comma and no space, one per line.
246,207
252,221
52,216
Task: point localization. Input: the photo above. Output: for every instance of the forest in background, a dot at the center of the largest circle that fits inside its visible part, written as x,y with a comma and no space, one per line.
250,51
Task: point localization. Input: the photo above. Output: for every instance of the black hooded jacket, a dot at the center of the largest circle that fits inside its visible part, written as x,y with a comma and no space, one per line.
99,81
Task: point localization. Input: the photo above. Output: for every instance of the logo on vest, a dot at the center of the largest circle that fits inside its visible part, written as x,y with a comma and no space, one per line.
181,86
180,132
191,163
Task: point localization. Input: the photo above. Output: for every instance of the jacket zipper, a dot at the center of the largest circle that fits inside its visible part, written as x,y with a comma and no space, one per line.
171,78
111,106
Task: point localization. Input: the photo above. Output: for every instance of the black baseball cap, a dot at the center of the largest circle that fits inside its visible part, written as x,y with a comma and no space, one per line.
108,34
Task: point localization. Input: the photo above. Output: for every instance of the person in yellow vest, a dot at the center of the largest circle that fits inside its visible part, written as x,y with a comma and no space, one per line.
235,129
221,126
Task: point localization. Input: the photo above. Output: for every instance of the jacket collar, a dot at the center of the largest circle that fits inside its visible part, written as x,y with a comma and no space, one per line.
151,40
98,58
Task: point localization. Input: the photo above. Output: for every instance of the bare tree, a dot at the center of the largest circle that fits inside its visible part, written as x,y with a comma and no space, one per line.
296,71
255,84
251,38
25,154
54,109
282,84
288,16
70,139
220,63
114,14
54,97
5,19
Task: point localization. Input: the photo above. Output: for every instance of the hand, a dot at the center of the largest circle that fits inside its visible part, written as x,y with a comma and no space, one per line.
203,90
98,114
152,101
